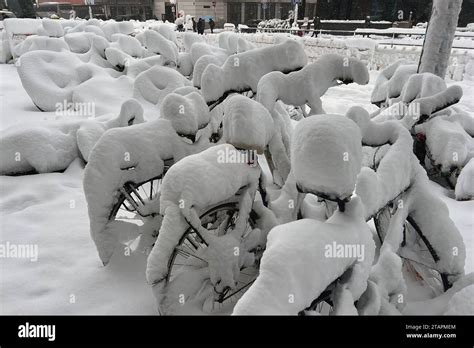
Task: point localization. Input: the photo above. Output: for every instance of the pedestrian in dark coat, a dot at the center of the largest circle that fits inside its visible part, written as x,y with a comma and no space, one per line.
200,26
212,25
316,26
194,24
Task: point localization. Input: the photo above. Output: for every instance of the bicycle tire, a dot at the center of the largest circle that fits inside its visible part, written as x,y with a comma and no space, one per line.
381,224
223,207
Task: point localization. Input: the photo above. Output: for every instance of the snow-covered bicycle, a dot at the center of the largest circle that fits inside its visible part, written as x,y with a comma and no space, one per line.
427,107
122,178
413,225
208,246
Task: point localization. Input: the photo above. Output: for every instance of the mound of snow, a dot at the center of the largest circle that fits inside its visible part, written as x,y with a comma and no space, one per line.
51,146
247,124
128,45
167,30
439,304
50,77
19,26
51,28
384,83
242,71
298,263
117,57
131,112
79,42
94,29
310,83
5,53
187,113
244,45
326,155
421,86
465,184
157,82
189,39
202,63
199,49
137,66
185,64
158,44
449,144
111,27
97,91
35,43
461,303
395,170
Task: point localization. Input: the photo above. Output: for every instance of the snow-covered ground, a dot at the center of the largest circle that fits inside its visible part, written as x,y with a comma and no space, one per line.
49,210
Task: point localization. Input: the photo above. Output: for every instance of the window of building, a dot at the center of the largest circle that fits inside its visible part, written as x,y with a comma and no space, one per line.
251,10
285,8
234,12
269,11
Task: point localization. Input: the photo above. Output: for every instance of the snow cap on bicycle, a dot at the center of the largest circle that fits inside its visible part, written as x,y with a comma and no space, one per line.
326,156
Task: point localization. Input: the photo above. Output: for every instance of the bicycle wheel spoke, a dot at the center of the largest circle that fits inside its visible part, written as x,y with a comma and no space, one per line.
190,254
218,221
192,242
129,208
151,190
190,247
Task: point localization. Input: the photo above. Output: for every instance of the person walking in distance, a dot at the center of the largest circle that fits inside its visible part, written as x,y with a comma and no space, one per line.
212,25
200,26
316,26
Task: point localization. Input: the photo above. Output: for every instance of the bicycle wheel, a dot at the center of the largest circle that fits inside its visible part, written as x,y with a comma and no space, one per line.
132,195
136,214
133,198
418,254
186,260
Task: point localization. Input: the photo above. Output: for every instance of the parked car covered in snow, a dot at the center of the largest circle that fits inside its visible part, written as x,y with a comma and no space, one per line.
48,9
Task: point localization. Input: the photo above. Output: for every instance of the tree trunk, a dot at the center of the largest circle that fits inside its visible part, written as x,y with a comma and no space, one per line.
439,37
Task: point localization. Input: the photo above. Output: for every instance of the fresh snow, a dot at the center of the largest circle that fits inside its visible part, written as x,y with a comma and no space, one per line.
241,71
287,287
103,65
310,83
338,143
194,183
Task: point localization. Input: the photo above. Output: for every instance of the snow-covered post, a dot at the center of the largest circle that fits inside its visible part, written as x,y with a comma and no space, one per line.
439,37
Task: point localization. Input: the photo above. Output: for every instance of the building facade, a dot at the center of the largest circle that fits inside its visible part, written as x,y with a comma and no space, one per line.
137,9
252,11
